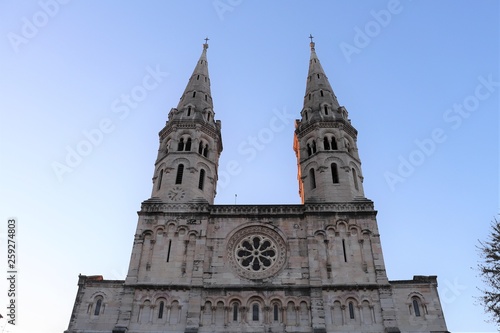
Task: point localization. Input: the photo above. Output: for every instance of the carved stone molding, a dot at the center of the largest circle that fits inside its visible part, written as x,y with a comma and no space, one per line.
156,205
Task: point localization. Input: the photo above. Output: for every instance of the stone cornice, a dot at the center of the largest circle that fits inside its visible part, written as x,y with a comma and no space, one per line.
156,205
271,286
93,283
239,287
173,125
161,286
328,153
353,206
340,124
326,287
417,279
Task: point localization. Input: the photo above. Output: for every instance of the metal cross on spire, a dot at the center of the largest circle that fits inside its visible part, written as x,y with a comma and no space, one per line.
311,37
206,40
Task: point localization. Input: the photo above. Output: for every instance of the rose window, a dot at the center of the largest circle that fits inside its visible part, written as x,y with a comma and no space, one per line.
256,252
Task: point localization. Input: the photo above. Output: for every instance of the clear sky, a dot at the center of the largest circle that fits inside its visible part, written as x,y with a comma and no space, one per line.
420,80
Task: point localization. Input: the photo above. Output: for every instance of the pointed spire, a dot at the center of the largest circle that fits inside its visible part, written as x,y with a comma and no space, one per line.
318,89
197,94
325,140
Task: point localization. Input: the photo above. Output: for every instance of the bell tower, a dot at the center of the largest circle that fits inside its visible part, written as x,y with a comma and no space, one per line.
190,144
329,168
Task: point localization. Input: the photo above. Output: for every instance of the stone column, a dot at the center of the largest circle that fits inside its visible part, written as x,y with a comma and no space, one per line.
266,311
372,312
151,313
244,314
283,315
328,265
141,308
361,249
214,309
169,308
226,315
297,315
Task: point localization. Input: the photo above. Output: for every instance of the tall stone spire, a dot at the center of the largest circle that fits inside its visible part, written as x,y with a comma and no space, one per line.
190,144
318,90
329,169
197,93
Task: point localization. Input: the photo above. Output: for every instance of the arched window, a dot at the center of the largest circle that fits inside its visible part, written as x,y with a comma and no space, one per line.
194,94
160,310
309,96
313,178
326,143
305,113
200,148
309,151
208,116
205,150
202,179
235,311
197,77
188,144
355,179
351,310
180,146
206,97
189,111
276,312
314,146
334,143
321,91
318,78
97,309
416,308
255,312
160,177
180,171
335,173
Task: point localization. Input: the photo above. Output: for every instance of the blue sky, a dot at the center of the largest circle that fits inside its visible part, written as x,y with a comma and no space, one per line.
419,79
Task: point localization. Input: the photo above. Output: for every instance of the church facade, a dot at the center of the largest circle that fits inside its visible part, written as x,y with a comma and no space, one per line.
313,267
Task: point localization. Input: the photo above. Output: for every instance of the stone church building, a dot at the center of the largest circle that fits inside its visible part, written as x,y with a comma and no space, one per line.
312,267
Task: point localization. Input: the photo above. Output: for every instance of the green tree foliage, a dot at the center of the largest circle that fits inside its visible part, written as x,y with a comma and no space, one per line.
489,269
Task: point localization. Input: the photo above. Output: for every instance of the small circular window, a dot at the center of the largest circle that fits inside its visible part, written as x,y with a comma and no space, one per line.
256,252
